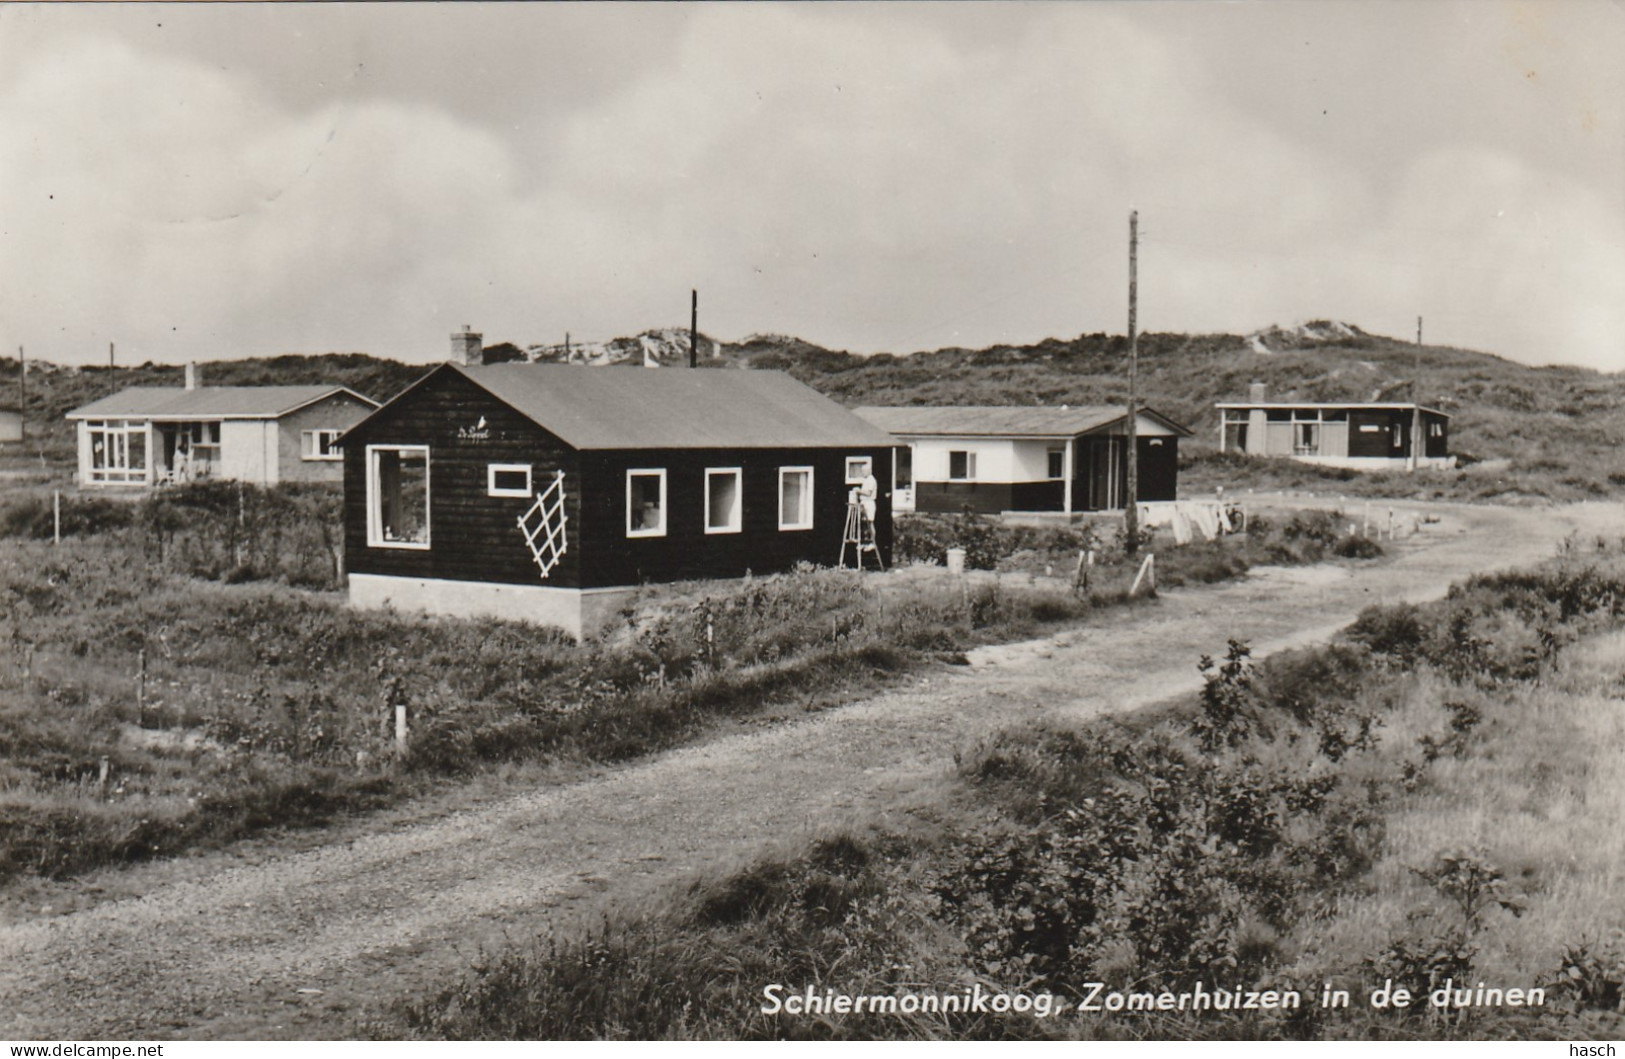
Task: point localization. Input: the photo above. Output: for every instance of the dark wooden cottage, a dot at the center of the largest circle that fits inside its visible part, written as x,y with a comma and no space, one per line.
547,492
1013,458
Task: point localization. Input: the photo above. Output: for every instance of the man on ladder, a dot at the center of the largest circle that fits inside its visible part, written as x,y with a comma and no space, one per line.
860,521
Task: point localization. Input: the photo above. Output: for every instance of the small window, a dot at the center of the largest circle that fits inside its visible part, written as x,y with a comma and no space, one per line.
1057,463
857,469
646,503
795,498
398,496
314,445
1336,415
1435,430
507,479
722,500
1278,415
961,466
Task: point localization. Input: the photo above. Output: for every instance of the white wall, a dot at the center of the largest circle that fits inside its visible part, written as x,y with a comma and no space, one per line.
995,459
248,450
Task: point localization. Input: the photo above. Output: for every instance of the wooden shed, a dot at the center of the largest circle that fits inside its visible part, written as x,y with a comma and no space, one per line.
543,492
995,459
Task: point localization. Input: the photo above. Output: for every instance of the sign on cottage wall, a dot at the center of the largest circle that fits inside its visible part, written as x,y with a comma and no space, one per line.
478,432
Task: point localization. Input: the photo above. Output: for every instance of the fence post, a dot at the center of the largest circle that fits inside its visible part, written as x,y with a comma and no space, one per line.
400,729
1147,570
56,517
101,779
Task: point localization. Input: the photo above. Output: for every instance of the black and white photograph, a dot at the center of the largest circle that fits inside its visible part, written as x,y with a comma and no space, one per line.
988,521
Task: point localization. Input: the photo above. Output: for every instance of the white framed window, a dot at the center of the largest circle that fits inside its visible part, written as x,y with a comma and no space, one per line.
320,445
722,500
118,450
961,466
507,479
795,498
1056,459
857,469
646,502
398,496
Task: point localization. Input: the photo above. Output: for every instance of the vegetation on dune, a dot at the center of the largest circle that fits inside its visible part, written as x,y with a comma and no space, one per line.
1424,804
178,638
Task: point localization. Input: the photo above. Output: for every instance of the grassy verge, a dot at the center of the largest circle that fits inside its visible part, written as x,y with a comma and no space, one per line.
166,682
1431,803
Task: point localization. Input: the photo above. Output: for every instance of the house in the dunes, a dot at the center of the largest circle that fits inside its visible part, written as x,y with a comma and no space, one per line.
547,492
159,435
1370,435
997,459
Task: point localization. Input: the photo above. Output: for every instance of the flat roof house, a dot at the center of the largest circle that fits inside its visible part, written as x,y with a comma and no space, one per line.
157,435
996,459
1362,435
546,492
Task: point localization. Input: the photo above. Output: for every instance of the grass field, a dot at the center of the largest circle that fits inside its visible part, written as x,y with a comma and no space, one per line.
183,671
1431,803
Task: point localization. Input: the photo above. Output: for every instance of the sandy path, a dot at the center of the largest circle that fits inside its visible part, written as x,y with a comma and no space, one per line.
297,945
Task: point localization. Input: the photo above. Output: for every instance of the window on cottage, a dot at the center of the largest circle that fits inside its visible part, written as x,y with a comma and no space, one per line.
1057,463
320,445
398,496
961,466
722,500
795,498
507,479
857,469
118,450
646,503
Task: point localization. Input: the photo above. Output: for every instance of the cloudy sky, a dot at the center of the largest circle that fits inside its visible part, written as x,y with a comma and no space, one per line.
225,180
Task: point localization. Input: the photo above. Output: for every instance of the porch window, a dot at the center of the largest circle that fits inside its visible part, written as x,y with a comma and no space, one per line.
398,496
795,498
507,479
1057,463
1306,439
118,450
646,503
722,500
857,469
961,466
320,445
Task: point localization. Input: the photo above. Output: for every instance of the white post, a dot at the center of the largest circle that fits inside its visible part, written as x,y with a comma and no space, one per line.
400,730
56,516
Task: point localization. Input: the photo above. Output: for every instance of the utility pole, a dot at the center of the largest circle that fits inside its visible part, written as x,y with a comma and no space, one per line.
109,354
694,329
22,392
566,347
1131,504
1416,399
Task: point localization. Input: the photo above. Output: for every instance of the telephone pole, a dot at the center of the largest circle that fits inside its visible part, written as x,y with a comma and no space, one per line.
1416,399
109,354
694,329
22,392
1131,505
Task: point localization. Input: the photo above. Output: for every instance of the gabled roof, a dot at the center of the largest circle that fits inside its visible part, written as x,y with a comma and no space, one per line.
1376,406
1004,421
209,402
668,408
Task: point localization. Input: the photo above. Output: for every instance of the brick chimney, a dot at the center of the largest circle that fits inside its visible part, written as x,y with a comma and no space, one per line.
467,346
191,375
1257,420
1256,392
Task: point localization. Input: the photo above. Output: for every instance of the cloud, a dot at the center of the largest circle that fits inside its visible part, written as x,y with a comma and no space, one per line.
870,177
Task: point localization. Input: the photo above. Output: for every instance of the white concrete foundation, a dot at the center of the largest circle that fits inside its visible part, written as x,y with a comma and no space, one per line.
1380,463
578,611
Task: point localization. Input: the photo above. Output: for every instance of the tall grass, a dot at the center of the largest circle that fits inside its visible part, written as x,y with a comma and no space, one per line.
1340,815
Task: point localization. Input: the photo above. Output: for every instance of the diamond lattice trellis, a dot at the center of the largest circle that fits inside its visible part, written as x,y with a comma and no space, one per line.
543,526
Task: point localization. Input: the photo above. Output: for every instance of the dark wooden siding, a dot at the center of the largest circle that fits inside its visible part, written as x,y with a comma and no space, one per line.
985,498
1158,471
1038,496
1435,447
472,536
686,551
1372,433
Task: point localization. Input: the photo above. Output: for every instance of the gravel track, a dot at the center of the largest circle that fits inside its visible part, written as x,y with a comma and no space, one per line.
304,942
